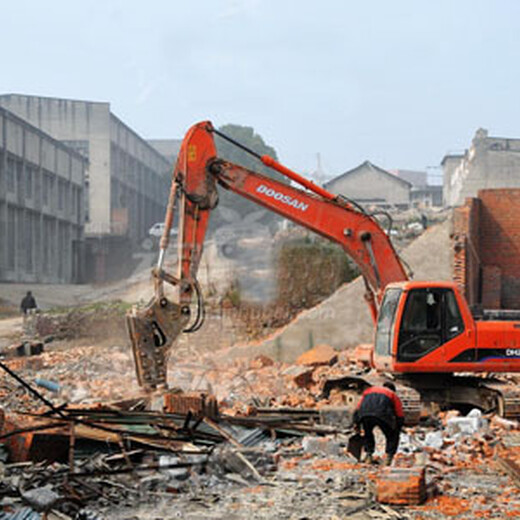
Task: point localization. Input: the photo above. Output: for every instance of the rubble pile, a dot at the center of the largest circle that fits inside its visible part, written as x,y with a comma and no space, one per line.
92,321
233,439
81,374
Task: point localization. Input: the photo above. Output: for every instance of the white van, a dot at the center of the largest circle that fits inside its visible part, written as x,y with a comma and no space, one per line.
157,230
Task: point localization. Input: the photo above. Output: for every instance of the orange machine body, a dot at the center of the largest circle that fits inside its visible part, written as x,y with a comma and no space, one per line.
472,345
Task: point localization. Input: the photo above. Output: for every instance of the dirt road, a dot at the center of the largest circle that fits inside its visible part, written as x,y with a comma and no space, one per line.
10,329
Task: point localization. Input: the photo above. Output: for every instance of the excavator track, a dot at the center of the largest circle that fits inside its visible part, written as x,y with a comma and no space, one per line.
412,404
410,398
455,391
511,404
508,398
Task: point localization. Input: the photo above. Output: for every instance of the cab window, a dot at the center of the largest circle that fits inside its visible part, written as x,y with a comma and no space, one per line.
430,318
385,322
454,322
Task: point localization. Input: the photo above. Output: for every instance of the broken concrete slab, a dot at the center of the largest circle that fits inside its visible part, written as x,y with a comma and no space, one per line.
41,499
469,425
321,446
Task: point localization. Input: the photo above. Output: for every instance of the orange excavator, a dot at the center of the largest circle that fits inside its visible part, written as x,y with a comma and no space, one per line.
426,336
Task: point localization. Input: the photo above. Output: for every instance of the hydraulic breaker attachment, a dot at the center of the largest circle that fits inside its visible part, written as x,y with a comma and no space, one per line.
152,331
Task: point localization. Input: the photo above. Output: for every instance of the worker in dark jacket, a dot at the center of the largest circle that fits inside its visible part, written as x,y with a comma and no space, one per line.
380,406
28,303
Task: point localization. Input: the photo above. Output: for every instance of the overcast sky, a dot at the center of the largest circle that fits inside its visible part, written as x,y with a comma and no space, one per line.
397,82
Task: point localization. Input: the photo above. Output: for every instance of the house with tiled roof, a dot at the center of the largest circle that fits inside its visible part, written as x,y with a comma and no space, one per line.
368,184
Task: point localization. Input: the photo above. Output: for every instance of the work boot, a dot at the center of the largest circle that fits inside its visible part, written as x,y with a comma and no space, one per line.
389,459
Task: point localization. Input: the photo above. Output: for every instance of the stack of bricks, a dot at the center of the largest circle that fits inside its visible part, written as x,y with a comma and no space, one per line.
198,403
401,486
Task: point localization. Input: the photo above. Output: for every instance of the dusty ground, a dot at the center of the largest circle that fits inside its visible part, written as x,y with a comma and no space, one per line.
309,483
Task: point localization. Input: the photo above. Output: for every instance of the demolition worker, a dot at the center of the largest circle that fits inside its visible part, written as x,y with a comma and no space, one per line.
28,303
380,406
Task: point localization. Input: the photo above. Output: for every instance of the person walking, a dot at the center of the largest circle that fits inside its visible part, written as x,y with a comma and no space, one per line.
380,406
28,303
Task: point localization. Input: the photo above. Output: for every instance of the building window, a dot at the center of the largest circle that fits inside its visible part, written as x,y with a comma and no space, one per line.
78,207
52,196
19,177
45,189
11,237
48,245
29,174
61,195
37,179
66,197
29,242
11,173
73,201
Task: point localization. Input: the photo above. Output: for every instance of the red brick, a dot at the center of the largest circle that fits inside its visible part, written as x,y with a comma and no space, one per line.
198,403
319,355
401,486
302,376
491,287
362,354
261,361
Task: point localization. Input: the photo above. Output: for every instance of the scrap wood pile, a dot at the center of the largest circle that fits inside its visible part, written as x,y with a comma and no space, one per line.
269,446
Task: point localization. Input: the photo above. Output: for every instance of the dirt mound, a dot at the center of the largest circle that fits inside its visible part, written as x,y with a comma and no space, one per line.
343,320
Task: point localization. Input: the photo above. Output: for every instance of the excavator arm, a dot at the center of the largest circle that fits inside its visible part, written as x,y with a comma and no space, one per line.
194,187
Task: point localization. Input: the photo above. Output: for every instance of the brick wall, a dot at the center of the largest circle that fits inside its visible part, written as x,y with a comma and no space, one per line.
491,287
486,234
466,249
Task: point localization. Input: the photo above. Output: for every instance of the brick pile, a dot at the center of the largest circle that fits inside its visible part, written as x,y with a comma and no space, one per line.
401,486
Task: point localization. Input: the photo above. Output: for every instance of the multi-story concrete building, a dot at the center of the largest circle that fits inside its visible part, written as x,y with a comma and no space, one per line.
490,162
41,205
127,178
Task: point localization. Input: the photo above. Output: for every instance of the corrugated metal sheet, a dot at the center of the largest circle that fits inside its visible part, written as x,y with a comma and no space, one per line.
25,513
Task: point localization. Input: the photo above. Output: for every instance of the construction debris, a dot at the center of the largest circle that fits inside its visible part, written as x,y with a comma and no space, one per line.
401,486
235,439
320,355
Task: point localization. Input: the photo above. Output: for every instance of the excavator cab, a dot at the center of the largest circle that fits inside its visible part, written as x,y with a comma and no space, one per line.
418,324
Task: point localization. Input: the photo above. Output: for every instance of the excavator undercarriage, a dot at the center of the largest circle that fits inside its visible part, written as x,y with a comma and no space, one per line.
421,392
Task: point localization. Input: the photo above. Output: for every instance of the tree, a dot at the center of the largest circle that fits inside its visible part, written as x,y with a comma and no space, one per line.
246,136
228,151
